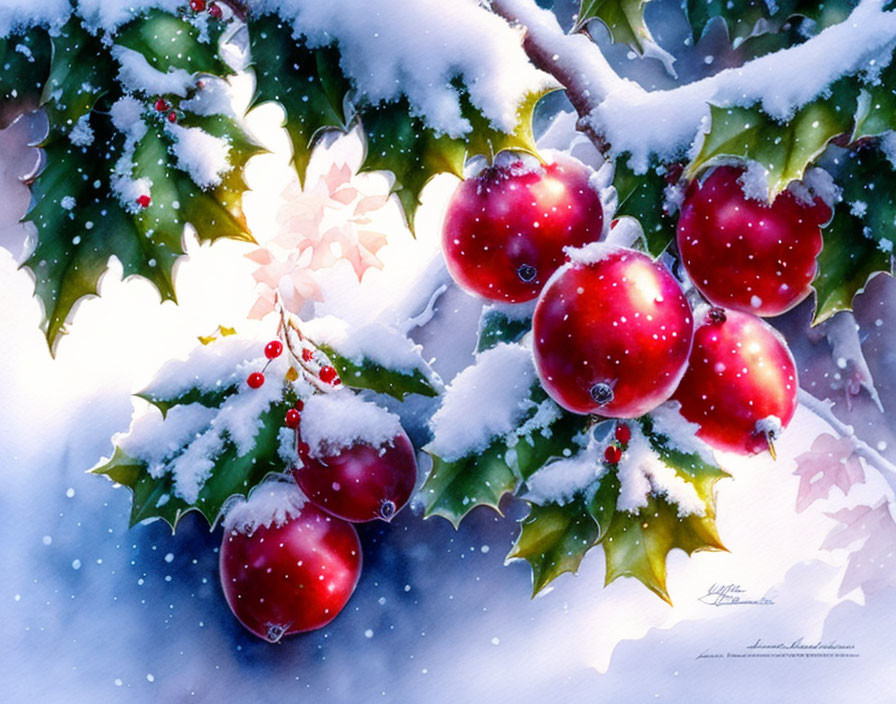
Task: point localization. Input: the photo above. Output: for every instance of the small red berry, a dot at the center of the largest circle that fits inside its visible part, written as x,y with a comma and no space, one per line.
161,105
613,454
144,201
215,11
307,354
300,405
273,349
255,380
197,5
623,434
328,375
172,116
292,418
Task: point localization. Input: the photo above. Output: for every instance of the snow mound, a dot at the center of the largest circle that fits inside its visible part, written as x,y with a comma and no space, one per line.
271,503
337,420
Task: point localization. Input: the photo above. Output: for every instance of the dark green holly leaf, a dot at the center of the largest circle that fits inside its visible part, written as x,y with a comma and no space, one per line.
495,325
623,18
876,112
170,42
641,197
307,83
532,449
784,149
602,506
370,375
24,67
553,539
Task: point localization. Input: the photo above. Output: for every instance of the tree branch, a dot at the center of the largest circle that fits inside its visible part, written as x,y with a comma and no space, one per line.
862,449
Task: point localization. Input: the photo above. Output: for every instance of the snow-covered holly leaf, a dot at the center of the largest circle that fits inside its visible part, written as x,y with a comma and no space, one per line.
642,196
553,539
367,374
497,324
488,141
784,150
873,565
623,18
168,42
858,243
209,436
830,462
24,66
666,501
306,82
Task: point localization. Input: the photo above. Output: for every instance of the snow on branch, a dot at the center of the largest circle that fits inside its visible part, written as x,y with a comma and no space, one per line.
664,122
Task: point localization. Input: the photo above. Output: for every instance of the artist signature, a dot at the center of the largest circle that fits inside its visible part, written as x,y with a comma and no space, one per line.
732,595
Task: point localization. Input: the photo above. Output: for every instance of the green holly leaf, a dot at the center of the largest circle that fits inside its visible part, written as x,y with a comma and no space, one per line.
24,67
531,450
876,113
641,196
496,325
307,84
170,42
553,539
366,374
623,18
784,149
858,243
488,141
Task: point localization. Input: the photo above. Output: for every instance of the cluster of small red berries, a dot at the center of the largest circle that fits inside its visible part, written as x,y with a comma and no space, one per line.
327,373
613,453
214,9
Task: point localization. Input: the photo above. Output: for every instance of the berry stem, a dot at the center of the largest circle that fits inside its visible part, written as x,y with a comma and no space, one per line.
822,409
293,339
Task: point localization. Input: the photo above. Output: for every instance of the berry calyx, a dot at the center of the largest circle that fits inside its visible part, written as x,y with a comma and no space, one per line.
293,418
741,384
360,482
273,349
623,434
505,229
292,577
255,380
613,454
215,11
612,332
747,254
328,375
197,5
161,105
144,201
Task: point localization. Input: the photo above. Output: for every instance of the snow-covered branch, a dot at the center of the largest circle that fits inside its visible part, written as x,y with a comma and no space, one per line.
823,410
664,122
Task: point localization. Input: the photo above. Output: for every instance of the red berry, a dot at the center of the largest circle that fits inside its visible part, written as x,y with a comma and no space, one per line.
197,5
255,380
290,578
623,434
746,254
328,375
172,116
613,454
292,418
215,11
161,105
273,349
144,201
361,482
300,405
739,375
505,230
612,333
307,354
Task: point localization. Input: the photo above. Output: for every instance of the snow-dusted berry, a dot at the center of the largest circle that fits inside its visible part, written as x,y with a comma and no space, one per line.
328,375
292,419
143,201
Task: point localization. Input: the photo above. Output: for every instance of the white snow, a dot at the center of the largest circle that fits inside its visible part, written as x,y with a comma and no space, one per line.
887,145
17,15
642,473
154,439
816,183
681,434
770,425
202,155
559,481
138,76
375,342
81,135
273,502
68,203
417,48
112,14
215,97
485,400
339,419
127,118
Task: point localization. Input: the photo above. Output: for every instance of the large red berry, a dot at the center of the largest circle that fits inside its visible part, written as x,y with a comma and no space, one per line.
505,229
293,577
741,383
746,254
612,333
360,482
